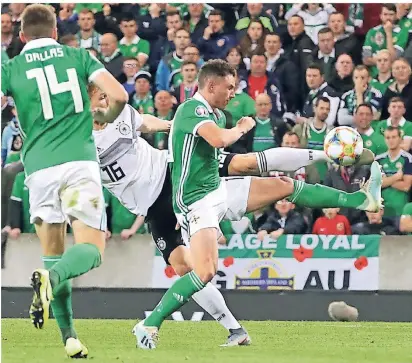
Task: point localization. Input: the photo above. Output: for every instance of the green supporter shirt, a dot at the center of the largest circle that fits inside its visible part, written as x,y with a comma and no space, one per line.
4,56
143,105
136,47
404,126
375,41
241,105
374,141
238,227
407,211
13,157
194,163
160,138
395,199
371,96
20,193
263,138
48,83
381,86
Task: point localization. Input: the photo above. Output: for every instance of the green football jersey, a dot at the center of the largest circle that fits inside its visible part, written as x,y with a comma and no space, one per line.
4,56
136,47
13,157
144,105
381,86
407,210
194,163
20,194
371,95
160,138
244,225
241,105
315,142
374,141
263,138
48,83
395,199
404,126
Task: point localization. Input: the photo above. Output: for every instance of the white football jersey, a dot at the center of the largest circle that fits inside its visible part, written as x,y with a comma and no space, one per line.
130,168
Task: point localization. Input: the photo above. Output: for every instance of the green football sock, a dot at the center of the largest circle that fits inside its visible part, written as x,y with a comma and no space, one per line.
178,294
320,196
62,303
76,261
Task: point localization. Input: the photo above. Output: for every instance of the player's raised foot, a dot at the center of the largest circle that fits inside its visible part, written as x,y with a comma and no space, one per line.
75,349
146,336
237,337
367,158
42,296
372,189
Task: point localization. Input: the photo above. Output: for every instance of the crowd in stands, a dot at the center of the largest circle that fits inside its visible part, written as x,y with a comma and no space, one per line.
302,70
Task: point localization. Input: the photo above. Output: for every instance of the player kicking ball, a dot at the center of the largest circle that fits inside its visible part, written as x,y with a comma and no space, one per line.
201,198
48,83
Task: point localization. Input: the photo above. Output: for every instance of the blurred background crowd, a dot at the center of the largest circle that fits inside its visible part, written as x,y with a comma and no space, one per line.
302,70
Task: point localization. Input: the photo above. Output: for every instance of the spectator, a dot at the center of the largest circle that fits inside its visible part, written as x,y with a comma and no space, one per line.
16,45
345,43
142,99
241,104
70,40
244,225
111,56
315,17
19,209
93,52
332,223
373,140
189,86
258,81
361,93
67,19
172,62
388,36
255,11
318,88
299,50
397,167
282,220
384,77
405,224
396,112
6,31
164,111
402,87
324,55
15,150
192,54
196,22
131,45
312,132
269,129
252,41
87,36
215,43
165,44
130,68
234,58
151,23
9,132
282,69
342,80
376,224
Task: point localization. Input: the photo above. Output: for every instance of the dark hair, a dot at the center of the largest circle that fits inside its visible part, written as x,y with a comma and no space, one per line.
298,16
173,13
237,48
361,67
273,34
215,68
291,133
323,99
66,39
185,63
182,28
258,54
86,11
38,21
337,13
396,99
390,7
367,105
128,17
217,12
392,128
315,66
325,30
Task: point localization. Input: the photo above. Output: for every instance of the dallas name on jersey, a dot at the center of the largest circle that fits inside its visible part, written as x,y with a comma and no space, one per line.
130,168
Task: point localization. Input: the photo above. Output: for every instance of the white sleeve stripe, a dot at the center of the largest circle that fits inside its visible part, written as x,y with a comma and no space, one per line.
96,73
15,198
200,124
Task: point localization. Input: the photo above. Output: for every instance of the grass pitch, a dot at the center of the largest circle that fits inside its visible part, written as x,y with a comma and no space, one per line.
111,341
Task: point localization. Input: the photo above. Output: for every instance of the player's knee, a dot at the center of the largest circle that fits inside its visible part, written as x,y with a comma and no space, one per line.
182,269
286,185
207,271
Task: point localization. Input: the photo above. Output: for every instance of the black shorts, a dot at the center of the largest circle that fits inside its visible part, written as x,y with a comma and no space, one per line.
162,221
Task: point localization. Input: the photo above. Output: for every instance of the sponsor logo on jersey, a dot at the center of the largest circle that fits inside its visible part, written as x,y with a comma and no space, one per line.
134,49
368,143
124,129
161,244
379,38
398,165
201,111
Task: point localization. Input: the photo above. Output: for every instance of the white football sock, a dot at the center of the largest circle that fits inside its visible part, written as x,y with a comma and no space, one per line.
211,300
288,158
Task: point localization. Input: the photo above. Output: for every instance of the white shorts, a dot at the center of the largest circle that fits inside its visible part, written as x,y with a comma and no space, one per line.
72,189
229,201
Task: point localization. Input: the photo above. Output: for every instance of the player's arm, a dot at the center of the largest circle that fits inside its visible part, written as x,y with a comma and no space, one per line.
151,124
389,181
404,185
221,138
367,55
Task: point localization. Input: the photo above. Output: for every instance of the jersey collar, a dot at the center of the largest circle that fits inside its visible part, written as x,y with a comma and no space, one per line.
369,132
38,43
200,98
135,40
401,122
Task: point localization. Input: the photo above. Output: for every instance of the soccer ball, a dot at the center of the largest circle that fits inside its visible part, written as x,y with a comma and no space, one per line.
343,145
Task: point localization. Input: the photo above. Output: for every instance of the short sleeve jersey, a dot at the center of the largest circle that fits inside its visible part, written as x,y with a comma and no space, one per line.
136,47
381,87
48,83
395,199
194,163
404,126
371,96
374,141
241,105
20,194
